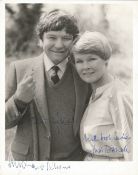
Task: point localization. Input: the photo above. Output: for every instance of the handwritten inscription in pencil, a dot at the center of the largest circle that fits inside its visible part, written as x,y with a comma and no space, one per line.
48,166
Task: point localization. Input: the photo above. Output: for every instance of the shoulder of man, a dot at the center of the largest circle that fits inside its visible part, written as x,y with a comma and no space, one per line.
71,59
24,66
26,62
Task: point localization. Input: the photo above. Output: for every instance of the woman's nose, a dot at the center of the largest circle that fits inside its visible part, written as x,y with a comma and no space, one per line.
86,65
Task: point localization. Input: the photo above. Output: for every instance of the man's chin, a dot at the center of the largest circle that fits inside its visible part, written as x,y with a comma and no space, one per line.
57,61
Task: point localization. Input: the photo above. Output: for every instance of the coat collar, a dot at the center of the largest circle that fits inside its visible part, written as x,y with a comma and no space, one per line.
82,95
40,90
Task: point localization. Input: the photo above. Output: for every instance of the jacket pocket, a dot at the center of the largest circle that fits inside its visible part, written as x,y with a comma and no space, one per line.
19,150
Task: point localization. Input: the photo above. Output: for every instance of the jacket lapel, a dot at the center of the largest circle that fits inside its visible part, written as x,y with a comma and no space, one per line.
40,90
81,90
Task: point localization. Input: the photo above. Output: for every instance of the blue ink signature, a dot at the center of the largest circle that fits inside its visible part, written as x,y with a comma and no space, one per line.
108,149
48,166
103,140
103,137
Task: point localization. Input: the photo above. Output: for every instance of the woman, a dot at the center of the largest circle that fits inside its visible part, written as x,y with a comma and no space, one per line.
106,127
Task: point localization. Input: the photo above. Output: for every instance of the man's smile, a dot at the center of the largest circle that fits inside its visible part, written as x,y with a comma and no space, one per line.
58,51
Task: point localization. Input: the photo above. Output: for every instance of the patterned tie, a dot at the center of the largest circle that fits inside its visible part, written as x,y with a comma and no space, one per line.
55,77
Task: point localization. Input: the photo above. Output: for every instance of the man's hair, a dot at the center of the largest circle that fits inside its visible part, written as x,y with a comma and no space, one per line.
93,43
56,20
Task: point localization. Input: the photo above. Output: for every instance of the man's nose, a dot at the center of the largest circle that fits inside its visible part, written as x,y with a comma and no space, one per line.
59,43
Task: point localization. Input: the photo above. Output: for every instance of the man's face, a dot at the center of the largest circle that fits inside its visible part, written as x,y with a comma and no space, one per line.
57,45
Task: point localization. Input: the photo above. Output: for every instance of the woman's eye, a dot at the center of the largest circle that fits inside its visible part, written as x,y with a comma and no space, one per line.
92,59
52,37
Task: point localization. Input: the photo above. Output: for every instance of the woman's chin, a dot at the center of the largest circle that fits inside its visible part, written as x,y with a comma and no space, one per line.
87,80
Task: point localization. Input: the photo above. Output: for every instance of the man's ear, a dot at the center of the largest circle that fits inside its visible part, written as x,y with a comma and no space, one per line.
76,39
40,43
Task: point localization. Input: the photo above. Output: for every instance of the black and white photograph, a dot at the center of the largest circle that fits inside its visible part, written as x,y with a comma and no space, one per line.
69,85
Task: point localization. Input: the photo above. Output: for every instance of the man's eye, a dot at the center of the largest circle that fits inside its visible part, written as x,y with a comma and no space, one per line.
52,37
67,38
78,61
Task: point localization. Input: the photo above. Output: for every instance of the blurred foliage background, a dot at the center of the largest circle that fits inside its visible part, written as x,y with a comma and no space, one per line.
113,20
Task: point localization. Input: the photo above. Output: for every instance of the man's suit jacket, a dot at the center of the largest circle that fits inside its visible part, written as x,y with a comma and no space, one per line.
23,146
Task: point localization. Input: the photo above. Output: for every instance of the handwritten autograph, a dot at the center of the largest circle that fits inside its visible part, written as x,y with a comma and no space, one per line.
102,137
48,166
108,149
103,147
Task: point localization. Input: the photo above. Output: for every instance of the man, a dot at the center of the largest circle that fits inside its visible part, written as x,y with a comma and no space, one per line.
45,97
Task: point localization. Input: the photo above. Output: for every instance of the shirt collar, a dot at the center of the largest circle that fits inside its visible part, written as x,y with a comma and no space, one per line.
49,64
100,90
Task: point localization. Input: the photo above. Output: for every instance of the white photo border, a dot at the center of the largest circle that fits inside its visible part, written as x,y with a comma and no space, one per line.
83,167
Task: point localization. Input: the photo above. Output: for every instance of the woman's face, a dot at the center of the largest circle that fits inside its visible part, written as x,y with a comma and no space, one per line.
90,67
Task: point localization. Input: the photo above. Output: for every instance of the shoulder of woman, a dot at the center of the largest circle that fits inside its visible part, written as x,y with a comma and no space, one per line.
121,104
120,88
119,96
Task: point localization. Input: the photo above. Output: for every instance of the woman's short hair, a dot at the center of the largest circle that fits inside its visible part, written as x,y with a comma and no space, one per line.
95,43
56,20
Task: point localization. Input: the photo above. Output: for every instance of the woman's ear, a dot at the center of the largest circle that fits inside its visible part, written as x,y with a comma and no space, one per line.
106,62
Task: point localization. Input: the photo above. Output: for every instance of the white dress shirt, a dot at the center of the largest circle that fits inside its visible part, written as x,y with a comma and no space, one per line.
108,114
49,64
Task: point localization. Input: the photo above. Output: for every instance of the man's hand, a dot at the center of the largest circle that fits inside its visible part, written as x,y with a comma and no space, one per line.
25,89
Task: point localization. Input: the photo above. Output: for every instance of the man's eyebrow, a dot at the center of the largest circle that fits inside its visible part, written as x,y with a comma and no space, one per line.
50,34
66,35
